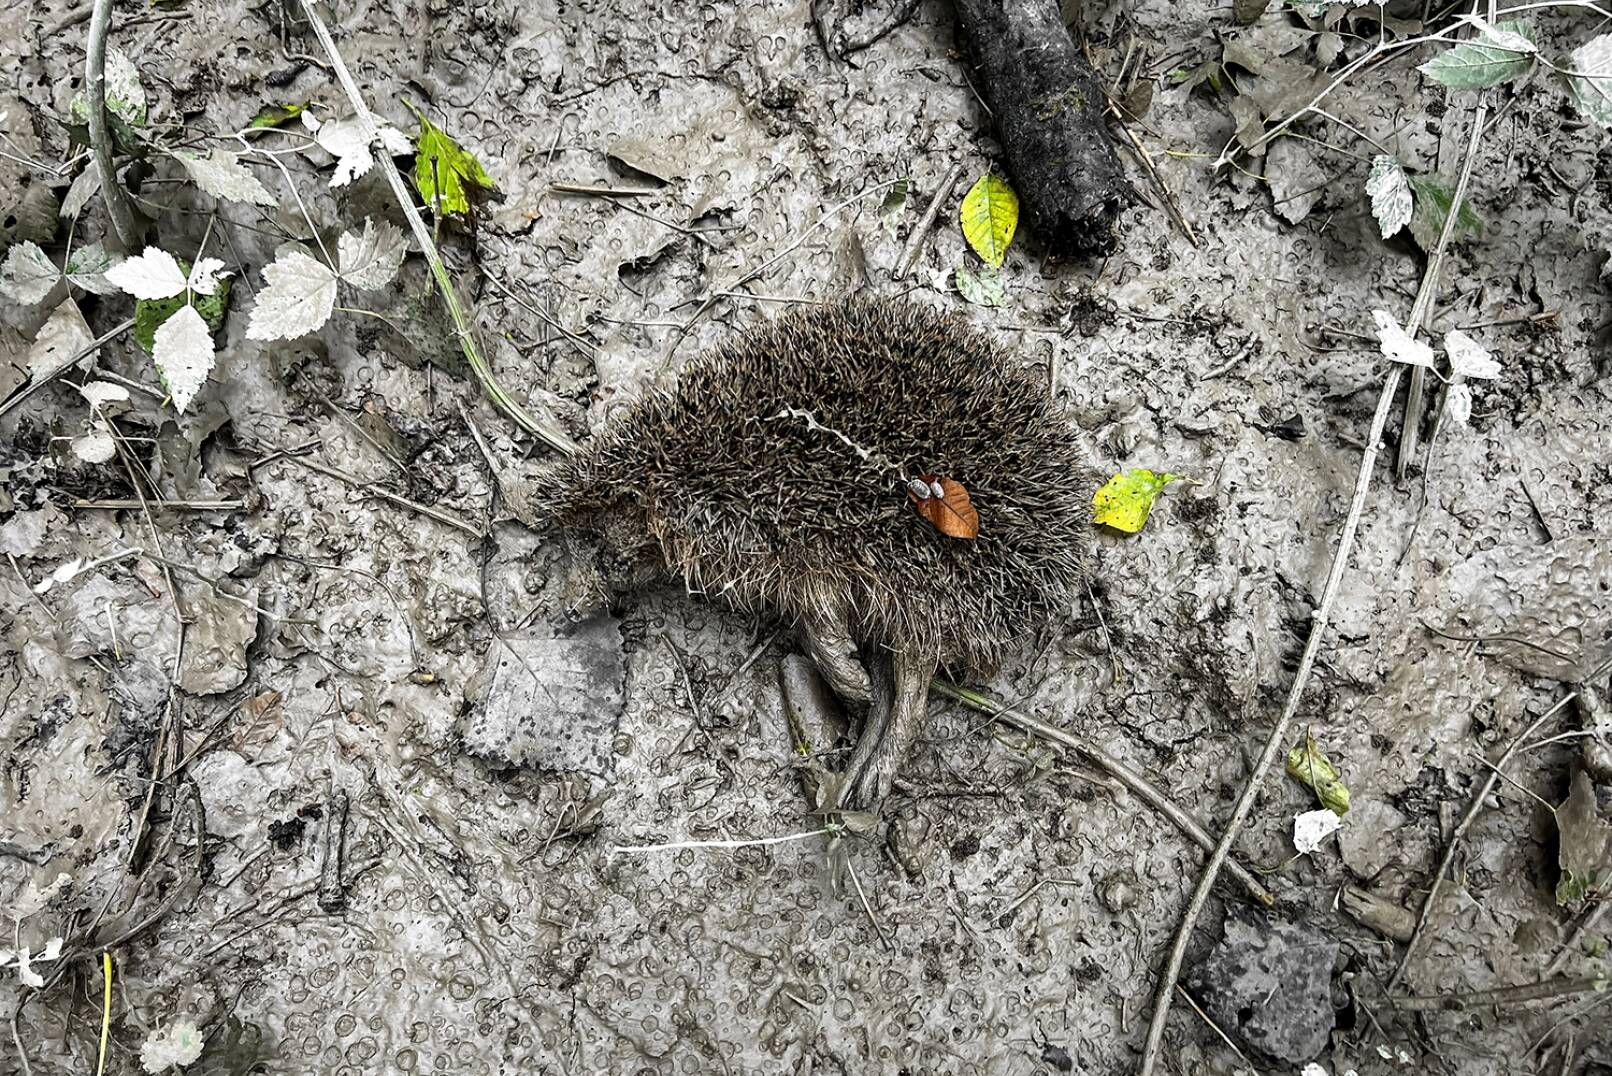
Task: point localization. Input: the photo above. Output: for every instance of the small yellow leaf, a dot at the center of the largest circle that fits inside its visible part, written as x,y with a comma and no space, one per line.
1307,763
990,216
1125,500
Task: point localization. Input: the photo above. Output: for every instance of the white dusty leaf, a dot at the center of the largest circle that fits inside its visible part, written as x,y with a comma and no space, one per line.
152,274
65,573
1458,403
27,274
97,447
205,275
64,334
370,259
1502,36
25,971
84,187
1591,80
1468,358
1398,345
300,295
222,175
173,1047
183,350
1390,193
125,96
1489,59
1313,827
985,288
345,140
101,393
86,268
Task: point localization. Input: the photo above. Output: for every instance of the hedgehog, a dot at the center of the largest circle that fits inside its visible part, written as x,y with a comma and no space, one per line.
779,474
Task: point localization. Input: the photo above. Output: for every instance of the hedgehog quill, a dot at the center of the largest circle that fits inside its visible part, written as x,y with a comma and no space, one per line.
808,468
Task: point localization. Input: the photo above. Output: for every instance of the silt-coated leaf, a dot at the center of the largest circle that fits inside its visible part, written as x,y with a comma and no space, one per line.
1590,81
300,295
1390,194
1499,54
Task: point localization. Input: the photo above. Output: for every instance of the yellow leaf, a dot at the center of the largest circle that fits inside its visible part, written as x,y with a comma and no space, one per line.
1125,500
1309,764
990,216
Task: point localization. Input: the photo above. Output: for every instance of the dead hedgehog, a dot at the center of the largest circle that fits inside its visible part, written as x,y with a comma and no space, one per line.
783,472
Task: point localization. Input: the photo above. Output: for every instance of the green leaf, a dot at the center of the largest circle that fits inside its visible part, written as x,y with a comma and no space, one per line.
124,95
1308,764
1497,55
895,201
984,288
149,314
272,115
1590,80
1433,199
990,216
444,171
1125,500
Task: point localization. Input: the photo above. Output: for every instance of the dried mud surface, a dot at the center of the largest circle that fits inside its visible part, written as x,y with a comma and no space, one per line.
485,929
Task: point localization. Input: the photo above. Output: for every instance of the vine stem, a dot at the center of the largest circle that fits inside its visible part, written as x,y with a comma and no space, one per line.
546,429
1321,619
124,226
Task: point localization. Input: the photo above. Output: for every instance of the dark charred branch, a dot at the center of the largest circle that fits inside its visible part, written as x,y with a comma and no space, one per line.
1049,113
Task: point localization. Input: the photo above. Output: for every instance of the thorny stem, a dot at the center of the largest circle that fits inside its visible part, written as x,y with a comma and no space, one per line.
1320,621
547,430
124,226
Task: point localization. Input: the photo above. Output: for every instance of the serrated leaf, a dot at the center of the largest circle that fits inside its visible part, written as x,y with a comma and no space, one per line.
1125,500
444,171
96,447
151,274
125,96
345,140
174,1047
1499,54
1398,345
1313,827
1433,198
370,259
86,268
183,350
300,295
83,188
1468,358
27,274
985,288
151,313
1590,79
990,216
1390,194
204,277
272,115
222,175
1307,763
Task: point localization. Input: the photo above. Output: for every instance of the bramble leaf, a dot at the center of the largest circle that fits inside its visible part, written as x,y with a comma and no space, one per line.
444,171
1390,194
300,295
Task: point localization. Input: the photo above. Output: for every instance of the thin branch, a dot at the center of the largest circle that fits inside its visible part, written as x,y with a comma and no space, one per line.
915,241
61,368
125,227
1320,621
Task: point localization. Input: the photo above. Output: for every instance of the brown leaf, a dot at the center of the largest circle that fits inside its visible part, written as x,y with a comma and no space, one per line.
264,720
952,513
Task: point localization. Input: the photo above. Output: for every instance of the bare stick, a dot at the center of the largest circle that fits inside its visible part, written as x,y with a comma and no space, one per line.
124,226
1130,778
915,241
121,504
1549,990
758,842
1318,626
546,430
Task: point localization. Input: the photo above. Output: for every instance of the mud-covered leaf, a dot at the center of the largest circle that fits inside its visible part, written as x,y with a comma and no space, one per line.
27,274
151,274
1433,198
1468,358
1309,764
1390,194
221,174
446,174
86,268
272,115
1296,179
300,295
1397,344
172,1047
1313,827
984,288
990,216
894,203
85,186
1590,80
1498,54
95,447
64,335
125,96
1125,500
183,351
345,140
946,505
1458,404
100,393
1585,853
370,259
34,215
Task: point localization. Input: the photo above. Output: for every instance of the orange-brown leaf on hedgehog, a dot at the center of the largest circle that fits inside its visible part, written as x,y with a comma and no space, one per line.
781,473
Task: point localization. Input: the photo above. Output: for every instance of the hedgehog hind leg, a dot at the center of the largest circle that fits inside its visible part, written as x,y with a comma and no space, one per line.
900,699
831,647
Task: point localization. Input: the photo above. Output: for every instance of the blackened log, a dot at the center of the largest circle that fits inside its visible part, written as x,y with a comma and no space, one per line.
1049,113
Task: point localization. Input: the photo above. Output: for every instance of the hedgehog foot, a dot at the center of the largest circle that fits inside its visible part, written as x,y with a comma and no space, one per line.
835,654
900,697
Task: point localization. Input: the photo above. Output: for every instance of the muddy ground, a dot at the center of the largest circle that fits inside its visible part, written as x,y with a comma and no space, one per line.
340,647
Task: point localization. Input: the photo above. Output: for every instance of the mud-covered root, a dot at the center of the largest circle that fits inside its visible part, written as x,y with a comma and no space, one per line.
900,695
